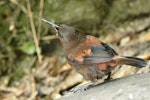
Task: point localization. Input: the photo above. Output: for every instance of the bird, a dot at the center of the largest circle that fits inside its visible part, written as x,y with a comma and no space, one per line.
90,56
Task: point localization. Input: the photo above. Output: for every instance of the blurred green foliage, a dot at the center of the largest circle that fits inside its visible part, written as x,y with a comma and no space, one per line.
28,48
92,16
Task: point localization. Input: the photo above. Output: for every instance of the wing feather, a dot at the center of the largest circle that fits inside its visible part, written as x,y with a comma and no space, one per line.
99,54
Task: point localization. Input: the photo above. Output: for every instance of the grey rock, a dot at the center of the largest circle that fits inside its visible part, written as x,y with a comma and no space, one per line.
135,87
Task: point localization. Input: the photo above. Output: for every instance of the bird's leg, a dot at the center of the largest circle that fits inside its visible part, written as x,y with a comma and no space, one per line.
88,85
83,87
108,78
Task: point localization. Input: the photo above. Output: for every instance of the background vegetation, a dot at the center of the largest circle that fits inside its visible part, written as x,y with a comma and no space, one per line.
32,65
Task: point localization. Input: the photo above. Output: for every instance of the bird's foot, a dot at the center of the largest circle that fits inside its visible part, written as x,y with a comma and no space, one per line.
82,88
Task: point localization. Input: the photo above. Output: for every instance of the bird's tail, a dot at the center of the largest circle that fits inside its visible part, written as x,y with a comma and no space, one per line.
133,61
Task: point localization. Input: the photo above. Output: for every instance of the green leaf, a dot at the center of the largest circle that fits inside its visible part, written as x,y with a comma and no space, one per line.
28,48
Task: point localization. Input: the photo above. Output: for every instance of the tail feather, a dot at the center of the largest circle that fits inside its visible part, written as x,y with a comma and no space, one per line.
133,61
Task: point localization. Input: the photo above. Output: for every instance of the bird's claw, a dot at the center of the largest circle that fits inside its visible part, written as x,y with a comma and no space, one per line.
81,88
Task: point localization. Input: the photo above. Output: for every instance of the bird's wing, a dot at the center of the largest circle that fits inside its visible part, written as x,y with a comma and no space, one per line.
99,54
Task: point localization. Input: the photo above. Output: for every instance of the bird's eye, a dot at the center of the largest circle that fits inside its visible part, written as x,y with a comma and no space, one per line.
57,28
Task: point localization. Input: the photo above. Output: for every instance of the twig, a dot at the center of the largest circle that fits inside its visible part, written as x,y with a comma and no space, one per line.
39,19
34,31
15,91
49,37
19,5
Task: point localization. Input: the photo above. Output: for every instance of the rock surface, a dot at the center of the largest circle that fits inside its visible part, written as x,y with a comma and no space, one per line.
136,87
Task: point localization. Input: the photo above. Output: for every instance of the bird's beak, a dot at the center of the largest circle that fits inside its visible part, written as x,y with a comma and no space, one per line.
51,24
